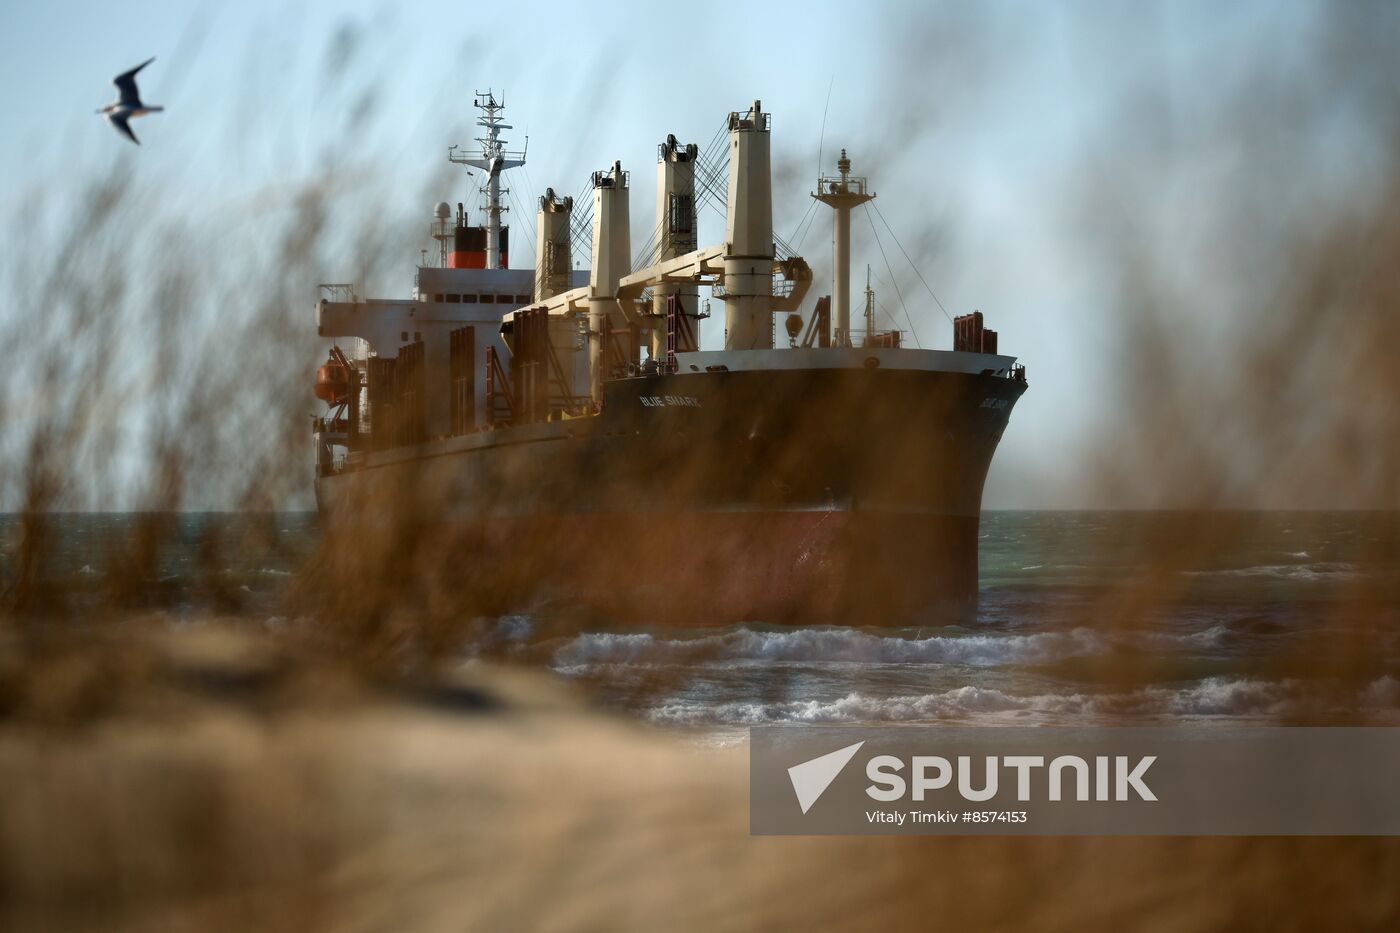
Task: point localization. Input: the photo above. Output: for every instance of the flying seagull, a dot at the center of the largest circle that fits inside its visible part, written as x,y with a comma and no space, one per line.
128,103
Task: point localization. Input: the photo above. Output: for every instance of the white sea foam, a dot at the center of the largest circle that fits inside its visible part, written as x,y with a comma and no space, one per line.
1322,570
1210,698
828,645
1211,637
836,645
854,707
1213,696
514,627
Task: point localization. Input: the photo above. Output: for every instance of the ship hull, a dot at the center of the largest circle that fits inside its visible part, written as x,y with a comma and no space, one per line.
796,496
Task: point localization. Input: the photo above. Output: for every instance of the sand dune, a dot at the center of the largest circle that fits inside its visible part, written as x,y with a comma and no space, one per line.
238,788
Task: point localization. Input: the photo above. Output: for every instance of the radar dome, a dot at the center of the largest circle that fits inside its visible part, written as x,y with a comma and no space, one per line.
443,211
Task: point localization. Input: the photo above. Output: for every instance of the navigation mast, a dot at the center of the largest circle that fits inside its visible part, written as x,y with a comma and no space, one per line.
493,160
841,192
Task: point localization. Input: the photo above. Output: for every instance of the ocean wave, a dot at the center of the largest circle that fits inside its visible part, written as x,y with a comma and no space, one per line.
853,646
828,645
1211,637
1321,570
1214,697
852,708
514,628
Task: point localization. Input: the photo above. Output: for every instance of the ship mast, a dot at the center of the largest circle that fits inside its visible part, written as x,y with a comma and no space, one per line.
841,192
493,160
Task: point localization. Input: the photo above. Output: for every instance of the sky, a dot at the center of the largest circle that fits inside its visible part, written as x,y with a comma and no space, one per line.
981,128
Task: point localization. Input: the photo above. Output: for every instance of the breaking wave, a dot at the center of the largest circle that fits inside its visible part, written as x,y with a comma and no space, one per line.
1306,573
828,645
837,645
1214,697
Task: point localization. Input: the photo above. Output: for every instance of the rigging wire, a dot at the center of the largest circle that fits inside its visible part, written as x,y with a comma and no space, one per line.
711,166
530,219
811,222
893,281
581,223
710,191
812,202
910,261
529,182
531,200
781,248
714,182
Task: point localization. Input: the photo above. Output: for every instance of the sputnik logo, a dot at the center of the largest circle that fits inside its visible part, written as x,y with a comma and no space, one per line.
811,778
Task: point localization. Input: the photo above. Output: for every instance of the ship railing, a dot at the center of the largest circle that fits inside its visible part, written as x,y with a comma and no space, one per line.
607,180
835,184
880,337
764,121
782,288
338,292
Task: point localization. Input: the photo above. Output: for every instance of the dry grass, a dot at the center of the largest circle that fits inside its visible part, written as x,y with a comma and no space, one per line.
240,796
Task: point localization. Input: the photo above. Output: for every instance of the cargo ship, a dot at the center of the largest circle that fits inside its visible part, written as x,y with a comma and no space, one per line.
560,430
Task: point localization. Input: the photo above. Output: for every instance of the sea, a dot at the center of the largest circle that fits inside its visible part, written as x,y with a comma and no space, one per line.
1083,617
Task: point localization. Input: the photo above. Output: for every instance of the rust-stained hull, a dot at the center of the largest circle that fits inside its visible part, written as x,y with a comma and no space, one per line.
794,496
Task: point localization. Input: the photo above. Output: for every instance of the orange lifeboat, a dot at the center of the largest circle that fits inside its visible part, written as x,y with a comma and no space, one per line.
332,382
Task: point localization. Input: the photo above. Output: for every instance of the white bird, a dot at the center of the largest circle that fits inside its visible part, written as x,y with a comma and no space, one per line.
128,103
